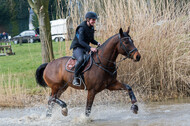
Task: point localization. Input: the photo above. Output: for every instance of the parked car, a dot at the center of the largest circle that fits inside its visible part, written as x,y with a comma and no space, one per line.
26,36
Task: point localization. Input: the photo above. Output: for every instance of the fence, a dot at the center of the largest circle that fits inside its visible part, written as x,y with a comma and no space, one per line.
5,48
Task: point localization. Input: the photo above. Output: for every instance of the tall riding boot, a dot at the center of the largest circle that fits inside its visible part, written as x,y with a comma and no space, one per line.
78,70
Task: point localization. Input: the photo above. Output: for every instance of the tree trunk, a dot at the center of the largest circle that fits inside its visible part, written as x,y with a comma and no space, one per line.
40,7
45,35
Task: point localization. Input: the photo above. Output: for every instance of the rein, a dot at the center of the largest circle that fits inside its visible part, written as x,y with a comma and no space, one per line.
105,68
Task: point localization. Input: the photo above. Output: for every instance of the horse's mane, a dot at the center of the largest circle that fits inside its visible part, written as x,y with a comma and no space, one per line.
106,42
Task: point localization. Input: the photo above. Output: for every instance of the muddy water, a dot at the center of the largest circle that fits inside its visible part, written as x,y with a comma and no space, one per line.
173,113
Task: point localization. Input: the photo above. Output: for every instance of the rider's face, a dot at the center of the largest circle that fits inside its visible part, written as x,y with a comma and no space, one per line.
92,22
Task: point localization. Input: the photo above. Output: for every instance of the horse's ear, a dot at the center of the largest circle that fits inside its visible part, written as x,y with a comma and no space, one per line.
128,30
121,32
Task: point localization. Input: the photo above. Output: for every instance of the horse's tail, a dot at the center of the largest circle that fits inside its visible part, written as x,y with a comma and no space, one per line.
39,75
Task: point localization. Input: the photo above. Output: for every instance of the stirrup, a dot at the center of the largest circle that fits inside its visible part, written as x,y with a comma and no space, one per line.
76,81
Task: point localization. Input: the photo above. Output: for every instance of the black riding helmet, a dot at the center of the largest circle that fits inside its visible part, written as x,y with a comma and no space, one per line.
91,15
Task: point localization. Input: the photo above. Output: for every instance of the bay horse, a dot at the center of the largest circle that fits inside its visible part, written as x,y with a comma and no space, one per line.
102,74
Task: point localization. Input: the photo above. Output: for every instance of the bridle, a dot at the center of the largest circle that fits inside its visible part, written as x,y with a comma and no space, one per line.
124,48
115,67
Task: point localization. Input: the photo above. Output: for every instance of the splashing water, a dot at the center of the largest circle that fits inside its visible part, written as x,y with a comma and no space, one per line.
159,114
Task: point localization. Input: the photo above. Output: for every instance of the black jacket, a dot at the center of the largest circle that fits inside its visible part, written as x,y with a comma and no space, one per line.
83,36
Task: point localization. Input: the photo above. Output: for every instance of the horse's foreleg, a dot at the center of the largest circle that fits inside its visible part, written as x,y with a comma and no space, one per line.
90,99
120,86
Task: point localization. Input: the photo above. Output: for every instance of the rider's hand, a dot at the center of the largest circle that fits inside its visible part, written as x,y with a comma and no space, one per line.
99,44
93,49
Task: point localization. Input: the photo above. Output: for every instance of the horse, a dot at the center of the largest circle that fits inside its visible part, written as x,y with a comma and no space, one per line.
101,75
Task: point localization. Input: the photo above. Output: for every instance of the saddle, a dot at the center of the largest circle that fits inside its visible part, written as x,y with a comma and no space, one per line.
70,65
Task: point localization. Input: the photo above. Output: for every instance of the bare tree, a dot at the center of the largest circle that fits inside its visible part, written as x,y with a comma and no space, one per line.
40,7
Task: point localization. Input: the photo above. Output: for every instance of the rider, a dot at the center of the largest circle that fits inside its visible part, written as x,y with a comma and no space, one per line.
80,45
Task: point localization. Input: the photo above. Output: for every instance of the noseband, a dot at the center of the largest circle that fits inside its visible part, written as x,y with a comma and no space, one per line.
125,49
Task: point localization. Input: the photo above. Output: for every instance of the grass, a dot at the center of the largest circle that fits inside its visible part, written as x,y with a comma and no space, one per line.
17,74
26,61
27,57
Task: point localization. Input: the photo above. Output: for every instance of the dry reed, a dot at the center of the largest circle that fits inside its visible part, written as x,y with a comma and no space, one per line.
161,32
13,93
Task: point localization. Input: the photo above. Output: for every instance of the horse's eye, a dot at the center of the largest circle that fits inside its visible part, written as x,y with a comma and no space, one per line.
126,42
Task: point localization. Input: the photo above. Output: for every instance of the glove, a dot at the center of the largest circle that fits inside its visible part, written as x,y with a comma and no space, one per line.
99,44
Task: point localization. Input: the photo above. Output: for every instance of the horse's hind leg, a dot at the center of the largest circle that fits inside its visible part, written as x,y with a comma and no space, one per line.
54,98
50,106
120,86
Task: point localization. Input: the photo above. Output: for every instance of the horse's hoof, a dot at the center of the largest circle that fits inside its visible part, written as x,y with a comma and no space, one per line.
64,111
135,109
87,113
48,115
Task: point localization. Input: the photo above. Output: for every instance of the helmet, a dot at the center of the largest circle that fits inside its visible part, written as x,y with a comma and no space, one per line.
91,14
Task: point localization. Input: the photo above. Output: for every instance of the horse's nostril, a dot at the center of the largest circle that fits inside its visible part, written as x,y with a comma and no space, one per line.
138,57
